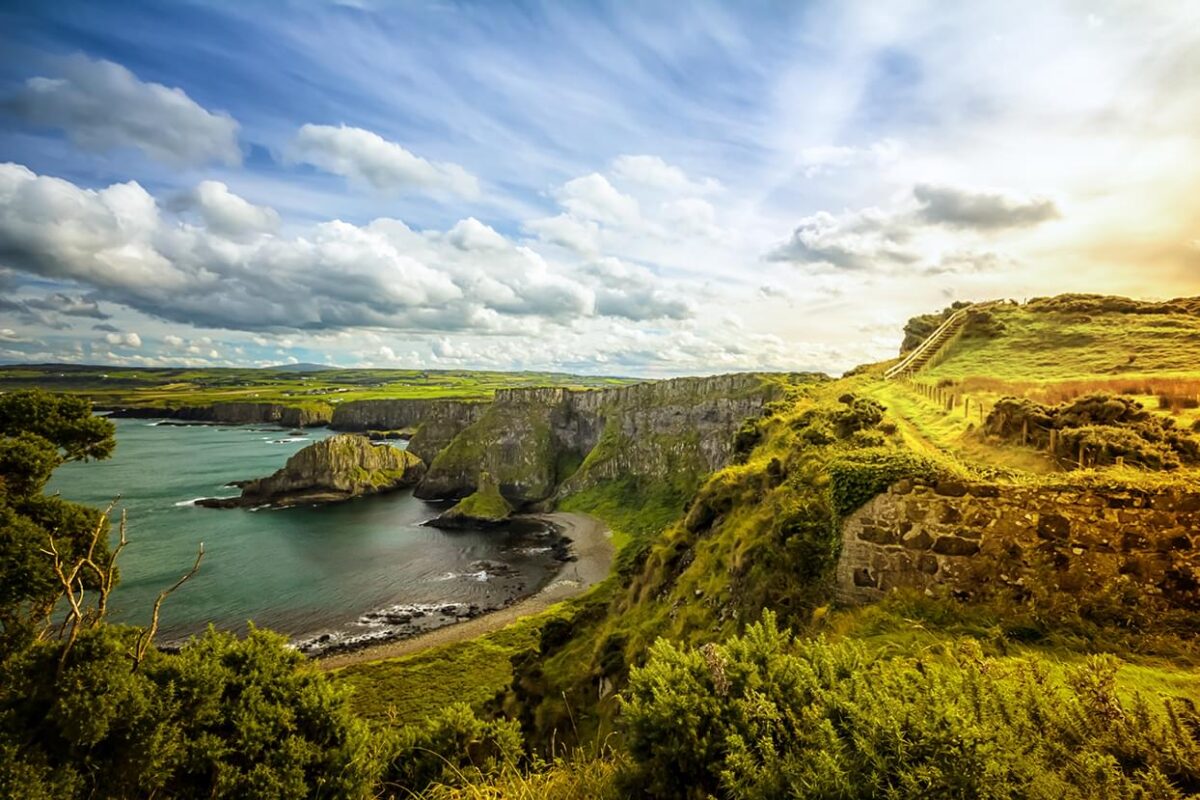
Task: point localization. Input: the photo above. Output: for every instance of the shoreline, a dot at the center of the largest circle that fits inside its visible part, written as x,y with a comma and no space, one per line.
591,544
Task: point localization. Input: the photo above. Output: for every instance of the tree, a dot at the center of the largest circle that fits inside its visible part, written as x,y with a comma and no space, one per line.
39,432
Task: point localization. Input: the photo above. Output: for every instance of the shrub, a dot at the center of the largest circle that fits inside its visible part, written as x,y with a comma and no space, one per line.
452,748
860,413
1105,426
764,717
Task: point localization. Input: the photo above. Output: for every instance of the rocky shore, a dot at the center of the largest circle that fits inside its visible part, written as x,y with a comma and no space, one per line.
584,555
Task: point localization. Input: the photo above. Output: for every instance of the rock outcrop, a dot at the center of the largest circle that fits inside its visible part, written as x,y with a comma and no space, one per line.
436,422
335,469
486,506
541,443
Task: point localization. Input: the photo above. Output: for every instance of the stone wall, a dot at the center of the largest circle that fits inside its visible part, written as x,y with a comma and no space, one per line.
978,539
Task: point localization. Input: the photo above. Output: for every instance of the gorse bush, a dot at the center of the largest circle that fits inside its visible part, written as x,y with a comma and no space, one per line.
762,716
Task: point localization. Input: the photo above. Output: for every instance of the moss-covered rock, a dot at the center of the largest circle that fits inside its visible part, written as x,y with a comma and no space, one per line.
486,506
335,469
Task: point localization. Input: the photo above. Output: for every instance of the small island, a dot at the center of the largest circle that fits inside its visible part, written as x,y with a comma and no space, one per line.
333,470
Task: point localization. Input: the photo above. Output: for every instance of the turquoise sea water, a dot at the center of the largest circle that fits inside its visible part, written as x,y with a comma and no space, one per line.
303,571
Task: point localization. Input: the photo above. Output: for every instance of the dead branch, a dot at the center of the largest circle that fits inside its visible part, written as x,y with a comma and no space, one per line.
146,636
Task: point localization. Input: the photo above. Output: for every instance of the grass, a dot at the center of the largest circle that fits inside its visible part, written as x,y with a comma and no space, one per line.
412,688
162,387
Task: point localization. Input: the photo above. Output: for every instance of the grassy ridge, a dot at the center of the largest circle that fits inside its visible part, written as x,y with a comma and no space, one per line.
1047,346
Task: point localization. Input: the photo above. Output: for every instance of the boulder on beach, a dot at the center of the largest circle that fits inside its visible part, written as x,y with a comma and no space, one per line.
335,469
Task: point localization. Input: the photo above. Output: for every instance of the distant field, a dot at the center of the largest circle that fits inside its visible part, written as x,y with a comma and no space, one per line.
145,387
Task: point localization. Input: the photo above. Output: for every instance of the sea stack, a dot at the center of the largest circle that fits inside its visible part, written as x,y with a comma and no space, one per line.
339,468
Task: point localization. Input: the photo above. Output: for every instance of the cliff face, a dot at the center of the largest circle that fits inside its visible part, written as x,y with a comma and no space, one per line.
543,443
437,421
307,416
337,468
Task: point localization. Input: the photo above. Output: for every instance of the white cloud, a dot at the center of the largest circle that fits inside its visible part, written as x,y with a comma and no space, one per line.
131,340
654,173
823,159
592,197
103,106
333,275
227,214
366,157
564,230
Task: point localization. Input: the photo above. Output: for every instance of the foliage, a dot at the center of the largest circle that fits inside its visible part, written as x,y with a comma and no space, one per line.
222,718
862,474
450,748
39,432
761,716
859,414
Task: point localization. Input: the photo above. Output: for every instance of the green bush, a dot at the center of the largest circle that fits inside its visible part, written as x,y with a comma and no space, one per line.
763,717
859,414
453,748
1104,426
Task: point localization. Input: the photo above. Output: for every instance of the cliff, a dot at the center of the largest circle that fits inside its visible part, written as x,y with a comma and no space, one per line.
437,422
335,469
543,443
307,416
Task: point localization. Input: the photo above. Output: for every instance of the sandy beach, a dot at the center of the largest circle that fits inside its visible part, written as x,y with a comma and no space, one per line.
591,543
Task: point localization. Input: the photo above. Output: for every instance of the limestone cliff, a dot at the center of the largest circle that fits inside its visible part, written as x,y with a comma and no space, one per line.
543,443
305,416
437,422
338,468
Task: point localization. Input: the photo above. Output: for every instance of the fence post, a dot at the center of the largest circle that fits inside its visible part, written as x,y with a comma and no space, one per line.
1053,441
1025,432
1082,455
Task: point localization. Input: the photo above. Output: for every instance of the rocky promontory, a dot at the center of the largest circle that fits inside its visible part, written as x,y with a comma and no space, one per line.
485,507
335,469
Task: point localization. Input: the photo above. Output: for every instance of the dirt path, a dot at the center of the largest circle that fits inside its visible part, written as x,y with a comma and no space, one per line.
591,542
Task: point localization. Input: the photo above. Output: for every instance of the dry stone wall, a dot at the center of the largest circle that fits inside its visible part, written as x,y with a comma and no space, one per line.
979,539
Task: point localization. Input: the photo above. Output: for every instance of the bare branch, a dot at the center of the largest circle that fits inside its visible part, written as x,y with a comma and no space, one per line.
146,637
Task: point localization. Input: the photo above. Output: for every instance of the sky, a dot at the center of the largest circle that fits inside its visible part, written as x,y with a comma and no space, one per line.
645,189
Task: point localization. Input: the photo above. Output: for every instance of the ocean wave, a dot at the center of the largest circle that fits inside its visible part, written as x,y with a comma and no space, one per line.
482,576
289,440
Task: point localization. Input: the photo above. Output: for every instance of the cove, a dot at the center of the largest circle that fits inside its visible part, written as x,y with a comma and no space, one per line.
334,576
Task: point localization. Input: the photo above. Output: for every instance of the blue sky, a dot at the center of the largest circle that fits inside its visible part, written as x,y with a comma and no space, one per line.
625,188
